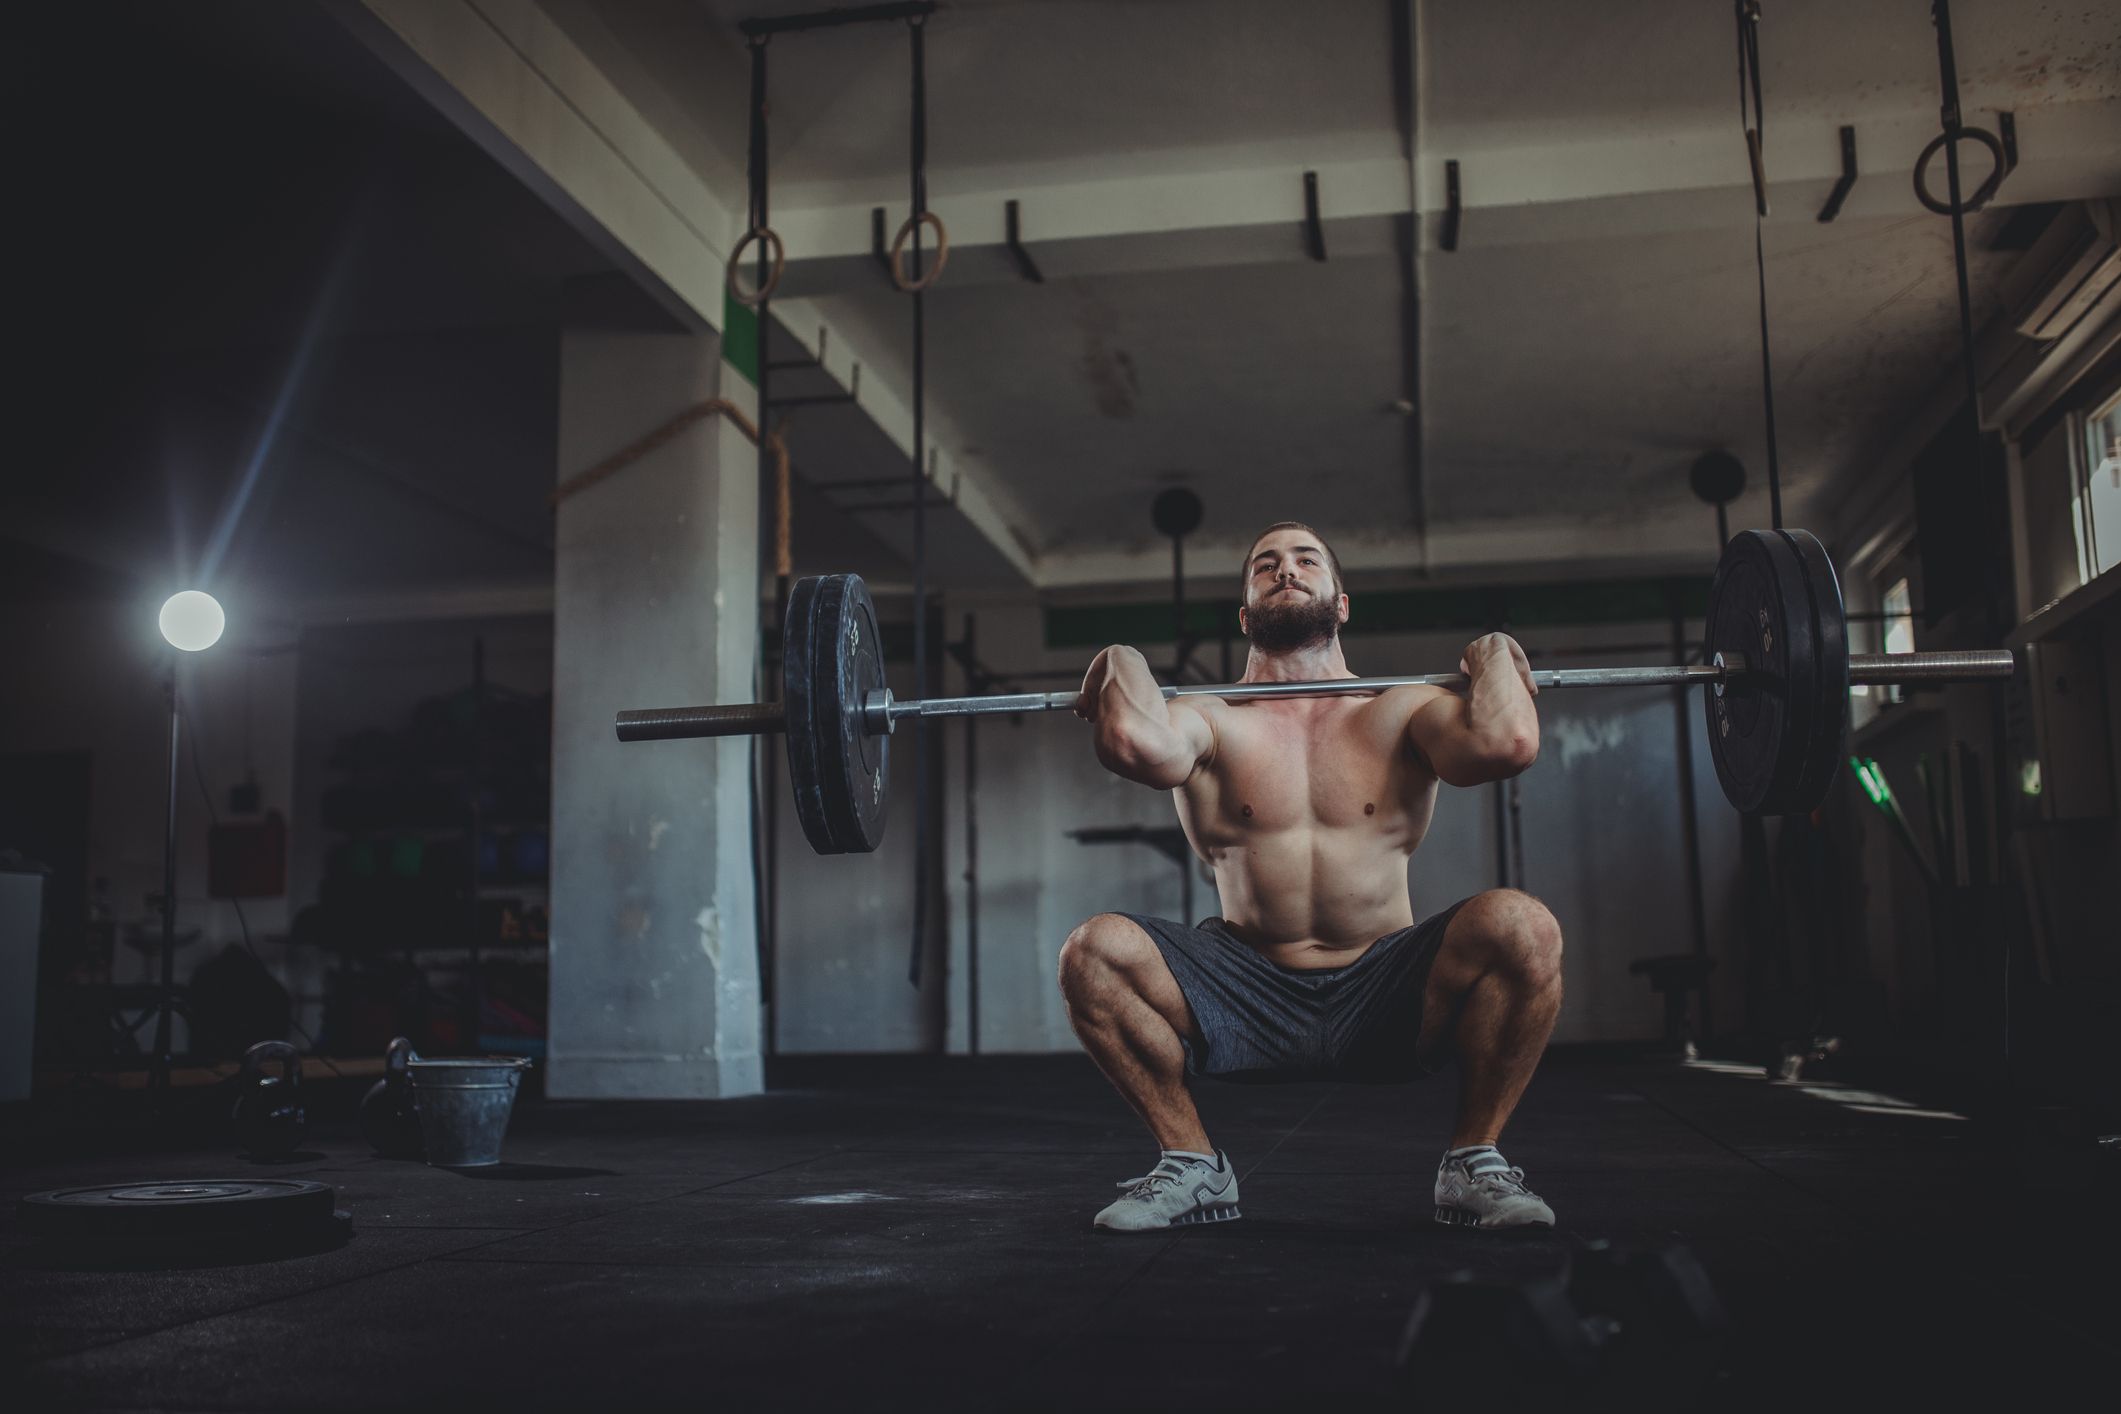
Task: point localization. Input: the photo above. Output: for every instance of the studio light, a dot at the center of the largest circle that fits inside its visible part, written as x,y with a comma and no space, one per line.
192,620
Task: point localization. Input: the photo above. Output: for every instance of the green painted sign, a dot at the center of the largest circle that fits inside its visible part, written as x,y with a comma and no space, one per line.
740,337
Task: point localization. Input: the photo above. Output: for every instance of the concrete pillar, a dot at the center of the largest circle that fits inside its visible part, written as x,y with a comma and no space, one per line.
655,989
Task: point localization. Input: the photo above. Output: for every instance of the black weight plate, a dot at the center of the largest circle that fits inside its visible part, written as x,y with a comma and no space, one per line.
1800,660
1825,748
799,701
861,783
179,1209
1748,719
832,660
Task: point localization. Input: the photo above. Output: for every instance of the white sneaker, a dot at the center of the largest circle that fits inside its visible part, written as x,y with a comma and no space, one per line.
1481,1190
1181,1189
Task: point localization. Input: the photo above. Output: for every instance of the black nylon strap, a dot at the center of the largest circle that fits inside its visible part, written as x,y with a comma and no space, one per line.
1751,116
757,172
1948,79
757,181
920,502
763,863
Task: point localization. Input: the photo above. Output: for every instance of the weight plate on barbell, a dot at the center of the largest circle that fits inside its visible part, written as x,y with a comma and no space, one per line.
1775,733
831,659
1828,728
1755,602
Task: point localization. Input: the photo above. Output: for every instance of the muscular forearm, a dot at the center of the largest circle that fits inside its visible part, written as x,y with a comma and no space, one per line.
1501,722
1136,737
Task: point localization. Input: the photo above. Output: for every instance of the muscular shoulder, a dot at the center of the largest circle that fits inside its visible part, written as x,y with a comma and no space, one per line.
1208,709
1398,705
1401,712
1199,718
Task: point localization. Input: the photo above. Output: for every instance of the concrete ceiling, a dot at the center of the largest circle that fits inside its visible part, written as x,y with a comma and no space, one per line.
1526,404
1086,396
1594,331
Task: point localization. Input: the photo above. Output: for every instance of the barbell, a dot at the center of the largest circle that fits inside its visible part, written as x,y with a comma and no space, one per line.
1775,661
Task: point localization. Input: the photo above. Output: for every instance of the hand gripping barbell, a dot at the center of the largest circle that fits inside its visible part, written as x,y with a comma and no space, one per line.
1777,667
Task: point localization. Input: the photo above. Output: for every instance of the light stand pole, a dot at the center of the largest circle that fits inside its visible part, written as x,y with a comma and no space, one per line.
192,622
166,997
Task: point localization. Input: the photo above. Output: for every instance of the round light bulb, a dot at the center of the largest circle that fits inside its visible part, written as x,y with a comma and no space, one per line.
192,620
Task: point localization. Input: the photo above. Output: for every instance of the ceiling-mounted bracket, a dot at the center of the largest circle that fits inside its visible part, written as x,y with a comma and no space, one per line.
1840,192
1453,206
1025,265
1314,229
879,247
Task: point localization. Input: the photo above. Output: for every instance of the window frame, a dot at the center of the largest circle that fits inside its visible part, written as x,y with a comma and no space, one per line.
2103,401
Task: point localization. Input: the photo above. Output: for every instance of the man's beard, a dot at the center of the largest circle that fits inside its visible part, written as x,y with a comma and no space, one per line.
1292,623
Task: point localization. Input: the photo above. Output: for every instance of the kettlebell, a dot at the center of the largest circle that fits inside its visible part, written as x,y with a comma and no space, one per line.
390,1111
270,1116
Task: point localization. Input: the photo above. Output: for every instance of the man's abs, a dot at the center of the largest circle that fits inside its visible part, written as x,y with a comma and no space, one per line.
1307,814
1316,906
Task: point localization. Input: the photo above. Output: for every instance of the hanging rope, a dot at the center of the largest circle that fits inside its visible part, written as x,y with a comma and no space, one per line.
773,257
1954,131
914,222
1752,119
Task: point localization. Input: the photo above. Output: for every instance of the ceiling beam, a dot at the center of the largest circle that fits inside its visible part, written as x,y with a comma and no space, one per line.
518,85
1512,194
1639,183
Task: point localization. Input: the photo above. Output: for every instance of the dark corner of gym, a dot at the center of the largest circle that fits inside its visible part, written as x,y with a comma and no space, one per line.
1062,705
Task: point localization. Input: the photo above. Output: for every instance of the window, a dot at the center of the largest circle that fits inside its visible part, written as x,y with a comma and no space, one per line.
2099,498
1899,618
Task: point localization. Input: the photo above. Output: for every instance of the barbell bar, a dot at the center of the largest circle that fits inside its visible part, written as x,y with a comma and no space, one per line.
881,712
1777,668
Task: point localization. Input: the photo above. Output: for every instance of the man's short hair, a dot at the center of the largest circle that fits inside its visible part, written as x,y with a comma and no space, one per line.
1332,560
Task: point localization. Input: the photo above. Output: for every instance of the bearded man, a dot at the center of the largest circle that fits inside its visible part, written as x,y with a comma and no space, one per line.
1307,809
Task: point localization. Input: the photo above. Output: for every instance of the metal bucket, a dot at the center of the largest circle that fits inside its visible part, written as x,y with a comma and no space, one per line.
464,1103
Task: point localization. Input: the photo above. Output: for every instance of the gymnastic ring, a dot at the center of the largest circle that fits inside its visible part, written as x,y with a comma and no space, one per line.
1982,193
764,292
898,253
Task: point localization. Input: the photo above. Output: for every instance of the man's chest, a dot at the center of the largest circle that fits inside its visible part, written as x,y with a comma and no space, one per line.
1280,769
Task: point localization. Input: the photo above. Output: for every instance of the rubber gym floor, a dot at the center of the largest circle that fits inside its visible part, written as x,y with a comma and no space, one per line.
915,1233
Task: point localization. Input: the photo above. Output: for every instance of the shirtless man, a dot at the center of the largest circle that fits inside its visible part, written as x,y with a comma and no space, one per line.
1307,810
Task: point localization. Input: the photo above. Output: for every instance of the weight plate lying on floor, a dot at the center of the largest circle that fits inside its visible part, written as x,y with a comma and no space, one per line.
831,658
236,1214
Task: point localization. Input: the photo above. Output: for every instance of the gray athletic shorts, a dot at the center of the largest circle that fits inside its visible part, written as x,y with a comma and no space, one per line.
1261,1023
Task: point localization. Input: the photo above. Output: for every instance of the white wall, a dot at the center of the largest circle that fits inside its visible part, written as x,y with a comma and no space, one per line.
655,987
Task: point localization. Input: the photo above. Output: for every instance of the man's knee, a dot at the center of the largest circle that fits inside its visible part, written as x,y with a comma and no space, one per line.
1101,951
1513,931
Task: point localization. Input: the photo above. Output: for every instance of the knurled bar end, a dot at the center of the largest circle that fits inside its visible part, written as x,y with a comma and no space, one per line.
1958,665
726,719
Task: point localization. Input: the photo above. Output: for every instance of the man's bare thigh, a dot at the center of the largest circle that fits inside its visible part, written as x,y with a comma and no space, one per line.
1452,974
1149,976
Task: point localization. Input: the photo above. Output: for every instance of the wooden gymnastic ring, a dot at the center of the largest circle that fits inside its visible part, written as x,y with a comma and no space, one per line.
764,292
898,252
1982,193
